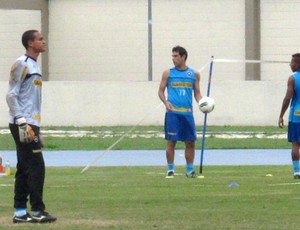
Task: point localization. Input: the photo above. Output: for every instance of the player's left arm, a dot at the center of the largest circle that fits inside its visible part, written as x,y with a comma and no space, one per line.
197,93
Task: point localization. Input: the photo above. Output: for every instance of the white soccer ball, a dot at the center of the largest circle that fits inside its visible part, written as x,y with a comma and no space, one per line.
206,104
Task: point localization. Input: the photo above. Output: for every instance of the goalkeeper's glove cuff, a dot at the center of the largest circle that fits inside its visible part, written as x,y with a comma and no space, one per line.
20,121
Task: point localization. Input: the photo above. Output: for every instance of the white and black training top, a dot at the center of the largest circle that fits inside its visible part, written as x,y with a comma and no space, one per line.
25,91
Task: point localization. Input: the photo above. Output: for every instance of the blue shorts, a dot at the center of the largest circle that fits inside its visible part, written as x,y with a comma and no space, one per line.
294,132
180,127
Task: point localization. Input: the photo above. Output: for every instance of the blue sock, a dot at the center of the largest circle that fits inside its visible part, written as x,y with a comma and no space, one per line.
171,167
20,211
296,166
189,168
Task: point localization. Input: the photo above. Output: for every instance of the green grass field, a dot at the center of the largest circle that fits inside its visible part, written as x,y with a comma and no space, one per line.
151,137
142,198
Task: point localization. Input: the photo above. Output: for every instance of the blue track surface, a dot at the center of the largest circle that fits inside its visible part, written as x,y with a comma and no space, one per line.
157,157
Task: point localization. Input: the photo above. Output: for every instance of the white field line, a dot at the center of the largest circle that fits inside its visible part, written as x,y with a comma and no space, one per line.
150,134
284,184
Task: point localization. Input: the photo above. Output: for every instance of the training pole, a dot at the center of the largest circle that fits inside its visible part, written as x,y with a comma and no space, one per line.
205,115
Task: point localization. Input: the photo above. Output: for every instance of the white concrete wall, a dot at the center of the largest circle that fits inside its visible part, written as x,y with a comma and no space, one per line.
105,103
279,35
98,58
107,40
206,28
98,40
127,103
12,25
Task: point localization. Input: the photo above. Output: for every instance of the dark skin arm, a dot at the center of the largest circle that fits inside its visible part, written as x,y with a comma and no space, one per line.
197,93
286,100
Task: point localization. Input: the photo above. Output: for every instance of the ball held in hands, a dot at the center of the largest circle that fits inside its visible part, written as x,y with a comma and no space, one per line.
206,104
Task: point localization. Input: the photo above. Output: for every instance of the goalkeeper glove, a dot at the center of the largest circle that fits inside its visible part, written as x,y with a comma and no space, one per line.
26,134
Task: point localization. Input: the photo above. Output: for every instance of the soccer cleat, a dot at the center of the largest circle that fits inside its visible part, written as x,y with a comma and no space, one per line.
170,174
23,219
43,217
296,176
191,175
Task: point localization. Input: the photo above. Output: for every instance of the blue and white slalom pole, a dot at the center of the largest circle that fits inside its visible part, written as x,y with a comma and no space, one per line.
205,115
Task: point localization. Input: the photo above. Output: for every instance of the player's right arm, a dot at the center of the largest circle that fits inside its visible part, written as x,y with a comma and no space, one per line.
17,75
162,88
286,100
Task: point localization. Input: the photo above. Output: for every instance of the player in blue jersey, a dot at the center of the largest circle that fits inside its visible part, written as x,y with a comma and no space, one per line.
24,102
182,84
292,97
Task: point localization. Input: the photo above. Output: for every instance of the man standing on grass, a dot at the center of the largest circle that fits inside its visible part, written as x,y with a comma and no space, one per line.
181,82
293,95
24,102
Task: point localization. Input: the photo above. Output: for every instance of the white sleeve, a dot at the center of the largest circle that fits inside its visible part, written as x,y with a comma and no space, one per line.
17,75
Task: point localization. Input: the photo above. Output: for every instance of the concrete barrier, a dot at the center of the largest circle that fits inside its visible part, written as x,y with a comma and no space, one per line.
100,103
